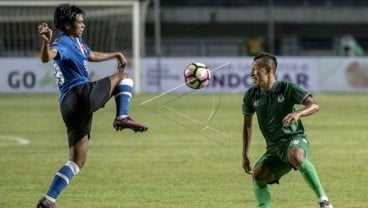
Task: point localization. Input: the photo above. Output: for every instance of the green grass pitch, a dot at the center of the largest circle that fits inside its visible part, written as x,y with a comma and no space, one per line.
173,164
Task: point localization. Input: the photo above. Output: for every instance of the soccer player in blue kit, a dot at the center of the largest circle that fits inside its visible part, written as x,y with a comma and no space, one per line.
287,145
80,97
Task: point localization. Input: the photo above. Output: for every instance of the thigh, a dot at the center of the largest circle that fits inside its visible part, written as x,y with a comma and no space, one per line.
77,120
94,95
270,168
99,93
300,141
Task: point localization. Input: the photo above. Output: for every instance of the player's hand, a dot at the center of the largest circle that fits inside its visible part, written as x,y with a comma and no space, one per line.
246,165
45,32
122,62
290,118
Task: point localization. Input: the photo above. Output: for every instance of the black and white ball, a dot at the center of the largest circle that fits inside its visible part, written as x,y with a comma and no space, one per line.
197,75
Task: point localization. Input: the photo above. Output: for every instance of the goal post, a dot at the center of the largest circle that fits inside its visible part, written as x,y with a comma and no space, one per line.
115,25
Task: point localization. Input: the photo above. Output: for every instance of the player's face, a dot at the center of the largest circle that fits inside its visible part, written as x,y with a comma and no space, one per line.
79,25
259,74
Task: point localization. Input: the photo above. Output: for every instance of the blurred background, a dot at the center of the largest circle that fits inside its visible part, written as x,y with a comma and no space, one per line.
246,27
205,27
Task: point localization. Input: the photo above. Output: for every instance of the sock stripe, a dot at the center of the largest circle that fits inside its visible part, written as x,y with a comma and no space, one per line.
64,177
123,93
61,180
73,167
51,199
127,81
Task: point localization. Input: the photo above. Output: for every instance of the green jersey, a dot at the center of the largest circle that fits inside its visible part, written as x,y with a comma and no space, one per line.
271,107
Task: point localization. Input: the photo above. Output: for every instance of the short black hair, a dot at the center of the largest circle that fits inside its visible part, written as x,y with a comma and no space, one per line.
266,58
65,14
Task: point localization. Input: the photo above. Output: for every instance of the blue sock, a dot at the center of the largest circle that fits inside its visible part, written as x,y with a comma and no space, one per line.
61,180
123,95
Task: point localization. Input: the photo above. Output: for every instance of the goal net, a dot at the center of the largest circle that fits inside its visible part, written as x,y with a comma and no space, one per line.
110,26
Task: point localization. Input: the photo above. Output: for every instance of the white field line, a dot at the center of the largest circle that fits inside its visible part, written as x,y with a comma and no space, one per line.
18,140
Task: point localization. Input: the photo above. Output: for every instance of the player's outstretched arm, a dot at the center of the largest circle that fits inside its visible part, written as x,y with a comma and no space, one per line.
47,53
96,56
247,135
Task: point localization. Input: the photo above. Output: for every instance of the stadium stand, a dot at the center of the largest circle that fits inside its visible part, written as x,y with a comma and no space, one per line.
217,28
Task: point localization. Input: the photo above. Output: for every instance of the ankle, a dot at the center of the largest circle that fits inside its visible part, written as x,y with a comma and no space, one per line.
323,198
121,117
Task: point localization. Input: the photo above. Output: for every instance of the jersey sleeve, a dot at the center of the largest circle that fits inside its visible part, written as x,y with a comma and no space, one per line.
297,94
247,107
61,49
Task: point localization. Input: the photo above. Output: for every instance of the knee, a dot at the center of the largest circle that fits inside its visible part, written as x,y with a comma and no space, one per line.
127,81
263,174
125,84
296,156
117,79
123,76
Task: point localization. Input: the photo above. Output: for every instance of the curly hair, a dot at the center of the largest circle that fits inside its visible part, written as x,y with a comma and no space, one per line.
65,15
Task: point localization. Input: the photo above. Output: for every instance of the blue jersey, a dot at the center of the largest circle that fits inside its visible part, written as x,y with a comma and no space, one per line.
70,63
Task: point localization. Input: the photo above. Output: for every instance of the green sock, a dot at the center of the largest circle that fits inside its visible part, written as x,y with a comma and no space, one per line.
310,176
262,194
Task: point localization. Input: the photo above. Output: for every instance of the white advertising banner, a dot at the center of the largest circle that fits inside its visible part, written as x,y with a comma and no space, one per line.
29,75
344,74
25,75
228,74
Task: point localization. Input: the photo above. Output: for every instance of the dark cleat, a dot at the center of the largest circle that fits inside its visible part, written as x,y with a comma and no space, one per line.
44,203
128,123
325,204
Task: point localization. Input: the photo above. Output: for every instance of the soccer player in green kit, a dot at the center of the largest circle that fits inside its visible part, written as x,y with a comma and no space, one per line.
286,142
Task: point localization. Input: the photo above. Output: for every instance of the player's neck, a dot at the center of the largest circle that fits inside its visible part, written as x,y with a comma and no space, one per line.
71,35
268,85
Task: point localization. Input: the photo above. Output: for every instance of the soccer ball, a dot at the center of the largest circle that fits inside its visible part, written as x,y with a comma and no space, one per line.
197,75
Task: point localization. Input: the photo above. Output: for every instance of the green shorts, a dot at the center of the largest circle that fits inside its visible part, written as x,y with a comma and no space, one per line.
276,156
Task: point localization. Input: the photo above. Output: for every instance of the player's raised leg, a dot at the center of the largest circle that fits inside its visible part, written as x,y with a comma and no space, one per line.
123,93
